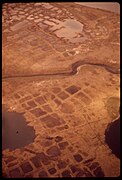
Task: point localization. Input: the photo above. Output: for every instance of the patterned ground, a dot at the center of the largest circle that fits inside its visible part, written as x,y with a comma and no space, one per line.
68,113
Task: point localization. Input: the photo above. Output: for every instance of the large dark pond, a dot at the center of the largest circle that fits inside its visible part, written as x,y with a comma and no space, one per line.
112,137
15,131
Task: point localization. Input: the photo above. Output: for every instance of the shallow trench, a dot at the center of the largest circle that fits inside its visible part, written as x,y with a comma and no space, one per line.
73,71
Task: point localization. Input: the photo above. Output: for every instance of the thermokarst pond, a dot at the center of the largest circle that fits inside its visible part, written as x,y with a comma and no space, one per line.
70,29
15,131
112,137
112,133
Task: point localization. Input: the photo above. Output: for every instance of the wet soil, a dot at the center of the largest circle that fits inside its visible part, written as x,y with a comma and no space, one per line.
112,106
15,131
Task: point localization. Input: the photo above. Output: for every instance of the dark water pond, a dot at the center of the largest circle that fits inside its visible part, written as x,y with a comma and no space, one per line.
112,137
15,131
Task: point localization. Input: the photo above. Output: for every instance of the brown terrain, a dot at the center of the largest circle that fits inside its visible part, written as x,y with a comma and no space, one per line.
61,74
